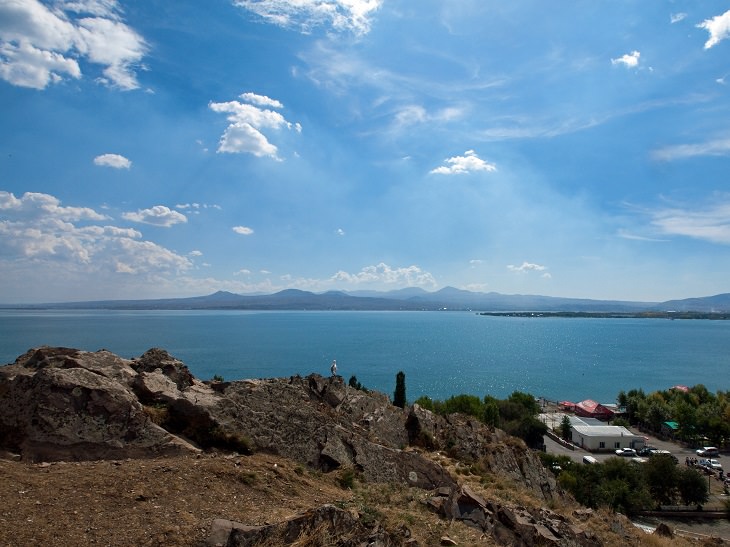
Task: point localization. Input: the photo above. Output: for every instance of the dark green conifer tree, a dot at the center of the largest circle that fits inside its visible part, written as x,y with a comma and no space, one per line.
399,396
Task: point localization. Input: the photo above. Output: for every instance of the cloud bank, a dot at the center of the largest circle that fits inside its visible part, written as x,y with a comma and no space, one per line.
37,232
43,43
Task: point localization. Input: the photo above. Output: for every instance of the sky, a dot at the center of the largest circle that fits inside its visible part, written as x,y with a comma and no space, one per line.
154,149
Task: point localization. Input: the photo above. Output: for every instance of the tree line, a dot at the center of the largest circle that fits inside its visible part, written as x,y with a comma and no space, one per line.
629,487
702,417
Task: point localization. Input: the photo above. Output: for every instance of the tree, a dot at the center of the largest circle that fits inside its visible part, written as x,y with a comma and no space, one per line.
661,478
464,404
399,396
565,428
354,383
527,401
491,411
692,487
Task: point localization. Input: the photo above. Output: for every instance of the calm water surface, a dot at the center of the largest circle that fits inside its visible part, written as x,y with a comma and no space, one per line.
441,353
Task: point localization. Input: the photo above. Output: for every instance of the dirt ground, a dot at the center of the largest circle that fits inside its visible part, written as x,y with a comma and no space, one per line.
170,501
173,501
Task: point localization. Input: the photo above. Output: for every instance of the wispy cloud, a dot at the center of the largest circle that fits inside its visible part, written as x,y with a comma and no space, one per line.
159,215
717,147
629,60
468,163
710,223
41,44
677,17
243,230
718,27
526,267
340,15
113,160
247,123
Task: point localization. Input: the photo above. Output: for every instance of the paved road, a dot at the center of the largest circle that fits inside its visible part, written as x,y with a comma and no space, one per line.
717,497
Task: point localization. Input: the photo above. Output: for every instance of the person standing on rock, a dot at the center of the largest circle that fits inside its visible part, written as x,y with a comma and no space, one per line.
333,368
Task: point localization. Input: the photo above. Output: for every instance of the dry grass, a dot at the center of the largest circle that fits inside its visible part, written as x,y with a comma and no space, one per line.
173,501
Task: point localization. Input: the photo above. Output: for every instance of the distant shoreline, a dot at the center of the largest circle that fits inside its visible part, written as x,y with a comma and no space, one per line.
612,315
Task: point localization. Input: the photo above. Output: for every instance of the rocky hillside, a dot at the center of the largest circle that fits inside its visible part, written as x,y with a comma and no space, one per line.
61,404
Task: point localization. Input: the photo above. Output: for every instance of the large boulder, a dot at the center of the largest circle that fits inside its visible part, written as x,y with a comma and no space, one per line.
65,404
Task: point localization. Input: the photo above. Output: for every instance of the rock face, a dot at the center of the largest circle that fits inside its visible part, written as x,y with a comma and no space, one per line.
509,525
315,527
62,403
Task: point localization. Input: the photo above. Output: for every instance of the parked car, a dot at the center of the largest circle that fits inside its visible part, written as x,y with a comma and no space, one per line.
627,452
708,452
711,463
647,450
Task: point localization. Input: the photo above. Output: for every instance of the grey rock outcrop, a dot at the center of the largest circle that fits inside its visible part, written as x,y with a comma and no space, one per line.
60,403
469,440
63,403
509,525
325,525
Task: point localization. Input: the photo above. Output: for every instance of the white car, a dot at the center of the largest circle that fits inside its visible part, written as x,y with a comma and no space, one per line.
712,463
708,452
628,452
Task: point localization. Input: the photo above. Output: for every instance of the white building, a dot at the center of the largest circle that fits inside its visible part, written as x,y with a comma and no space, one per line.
604,438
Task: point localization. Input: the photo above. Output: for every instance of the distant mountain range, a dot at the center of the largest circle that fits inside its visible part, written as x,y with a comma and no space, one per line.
447,298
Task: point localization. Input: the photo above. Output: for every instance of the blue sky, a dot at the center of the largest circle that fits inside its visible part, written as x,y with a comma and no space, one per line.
164,149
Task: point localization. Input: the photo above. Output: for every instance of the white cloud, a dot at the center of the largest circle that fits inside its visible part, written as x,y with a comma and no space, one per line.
113,160
43,42
467,163
341,15
340,232
247,122
411,276
159,215
711,223
630,60
37,234
261,100
195,253
717,147
33,205
527,267
243,230
677,17
718,27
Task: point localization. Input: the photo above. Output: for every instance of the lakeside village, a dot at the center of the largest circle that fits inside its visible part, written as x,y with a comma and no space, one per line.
596,432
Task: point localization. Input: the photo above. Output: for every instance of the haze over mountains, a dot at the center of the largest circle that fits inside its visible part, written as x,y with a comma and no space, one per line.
448,298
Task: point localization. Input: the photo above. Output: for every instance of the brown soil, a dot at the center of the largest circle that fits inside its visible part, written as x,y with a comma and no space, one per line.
173,501
170,501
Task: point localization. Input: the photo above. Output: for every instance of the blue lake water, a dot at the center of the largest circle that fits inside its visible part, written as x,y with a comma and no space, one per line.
441,353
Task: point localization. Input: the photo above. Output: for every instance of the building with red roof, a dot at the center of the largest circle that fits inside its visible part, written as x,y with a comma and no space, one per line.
592,409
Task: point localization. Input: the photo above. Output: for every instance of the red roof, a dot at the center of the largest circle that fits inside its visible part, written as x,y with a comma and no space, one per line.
592,408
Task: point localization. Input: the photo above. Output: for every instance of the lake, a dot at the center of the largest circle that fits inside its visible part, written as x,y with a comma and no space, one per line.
441,353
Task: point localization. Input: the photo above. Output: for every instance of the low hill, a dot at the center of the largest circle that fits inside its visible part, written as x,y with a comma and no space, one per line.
412,299
101,449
